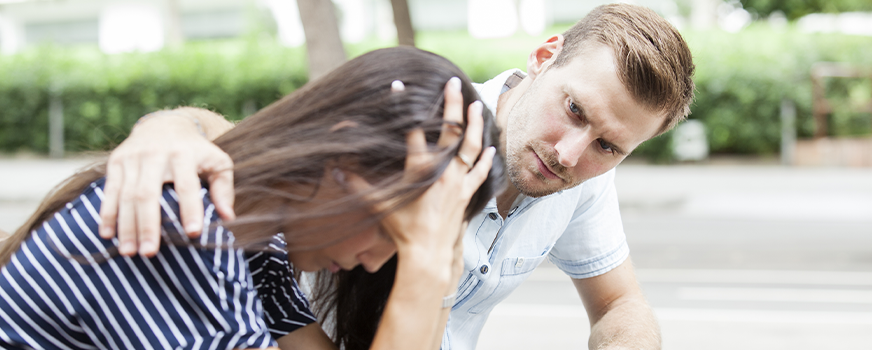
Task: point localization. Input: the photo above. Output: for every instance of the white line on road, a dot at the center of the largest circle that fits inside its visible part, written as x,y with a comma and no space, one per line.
834,278
763,316
777,295
687,314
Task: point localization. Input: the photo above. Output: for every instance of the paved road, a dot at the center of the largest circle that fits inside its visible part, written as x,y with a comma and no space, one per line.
730,257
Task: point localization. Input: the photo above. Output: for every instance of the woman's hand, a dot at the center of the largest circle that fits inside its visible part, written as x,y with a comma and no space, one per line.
432,223
165,147
428,232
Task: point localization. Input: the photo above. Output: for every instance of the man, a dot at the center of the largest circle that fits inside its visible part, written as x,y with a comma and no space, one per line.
620,76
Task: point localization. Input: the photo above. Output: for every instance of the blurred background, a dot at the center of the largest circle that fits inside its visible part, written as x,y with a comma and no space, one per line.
750,225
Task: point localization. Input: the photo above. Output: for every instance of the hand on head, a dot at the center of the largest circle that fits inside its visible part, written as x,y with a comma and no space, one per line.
433,221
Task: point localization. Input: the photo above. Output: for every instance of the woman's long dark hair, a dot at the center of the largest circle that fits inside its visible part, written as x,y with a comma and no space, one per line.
371,142
349,120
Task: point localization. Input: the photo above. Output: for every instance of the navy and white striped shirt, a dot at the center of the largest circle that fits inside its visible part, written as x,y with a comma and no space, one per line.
63,289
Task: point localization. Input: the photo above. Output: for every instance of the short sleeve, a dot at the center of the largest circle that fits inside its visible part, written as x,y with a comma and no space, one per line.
594,241
286,307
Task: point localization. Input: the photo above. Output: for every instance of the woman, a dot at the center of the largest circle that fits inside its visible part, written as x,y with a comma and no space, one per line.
349,169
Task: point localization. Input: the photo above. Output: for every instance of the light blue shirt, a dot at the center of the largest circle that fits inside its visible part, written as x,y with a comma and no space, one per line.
579,230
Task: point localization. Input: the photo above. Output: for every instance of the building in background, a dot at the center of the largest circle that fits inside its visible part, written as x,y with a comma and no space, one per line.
147,25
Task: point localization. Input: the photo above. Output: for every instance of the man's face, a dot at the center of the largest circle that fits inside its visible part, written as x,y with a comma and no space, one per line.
573,123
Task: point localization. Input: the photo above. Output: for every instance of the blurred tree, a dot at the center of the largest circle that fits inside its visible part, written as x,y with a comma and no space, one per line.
323,43
794,9
403,21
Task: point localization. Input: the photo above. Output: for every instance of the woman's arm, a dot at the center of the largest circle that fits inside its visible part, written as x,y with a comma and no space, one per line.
165,146
310,337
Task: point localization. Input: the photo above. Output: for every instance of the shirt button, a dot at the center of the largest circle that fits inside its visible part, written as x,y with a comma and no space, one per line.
483,269
492,216
520,262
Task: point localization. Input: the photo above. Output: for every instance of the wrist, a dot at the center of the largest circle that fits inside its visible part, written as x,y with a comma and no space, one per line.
178,120
432,266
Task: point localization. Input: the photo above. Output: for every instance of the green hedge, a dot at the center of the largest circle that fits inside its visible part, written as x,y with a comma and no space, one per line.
741,79
104,95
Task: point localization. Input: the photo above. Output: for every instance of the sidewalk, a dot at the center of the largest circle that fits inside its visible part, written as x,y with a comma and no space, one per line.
766,192
24,183
694,191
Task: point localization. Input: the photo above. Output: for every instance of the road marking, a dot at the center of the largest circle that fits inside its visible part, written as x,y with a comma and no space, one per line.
834,278
777,295
763,316
687,314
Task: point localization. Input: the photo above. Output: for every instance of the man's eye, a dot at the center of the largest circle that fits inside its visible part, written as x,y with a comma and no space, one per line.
605,146
574,108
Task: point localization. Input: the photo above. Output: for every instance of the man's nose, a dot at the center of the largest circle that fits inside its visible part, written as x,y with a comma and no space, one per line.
571,146
372,259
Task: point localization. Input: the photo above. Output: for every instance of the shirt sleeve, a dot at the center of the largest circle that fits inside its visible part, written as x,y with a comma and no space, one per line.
285,304
594,242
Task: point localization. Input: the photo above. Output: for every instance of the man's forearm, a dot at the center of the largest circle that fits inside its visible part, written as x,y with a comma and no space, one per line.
619,314
629,325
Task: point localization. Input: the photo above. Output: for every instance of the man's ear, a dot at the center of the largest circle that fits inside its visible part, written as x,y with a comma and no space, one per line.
543,56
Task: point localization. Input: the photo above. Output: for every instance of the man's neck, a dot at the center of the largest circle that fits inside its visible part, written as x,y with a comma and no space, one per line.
506,199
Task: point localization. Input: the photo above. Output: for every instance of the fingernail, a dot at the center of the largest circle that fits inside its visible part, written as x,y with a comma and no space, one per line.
192,228
478,106
454,83
227,210
127,248
106,232
147,248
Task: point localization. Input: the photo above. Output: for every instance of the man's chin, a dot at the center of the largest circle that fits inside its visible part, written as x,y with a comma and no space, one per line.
530,190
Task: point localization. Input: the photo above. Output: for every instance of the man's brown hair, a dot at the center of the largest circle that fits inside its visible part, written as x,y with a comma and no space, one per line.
653,60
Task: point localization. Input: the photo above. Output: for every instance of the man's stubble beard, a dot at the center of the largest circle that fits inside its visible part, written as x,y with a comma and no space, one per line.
516,145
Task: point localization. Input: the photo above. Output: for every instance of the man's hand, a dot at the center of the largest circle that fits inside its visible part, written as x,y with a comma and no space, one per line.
165,147
619,315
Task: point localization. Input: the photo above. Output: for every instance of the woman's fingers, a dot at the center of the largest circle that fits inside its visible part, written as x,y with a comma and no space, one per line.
452,115
417,156
479,172
471,146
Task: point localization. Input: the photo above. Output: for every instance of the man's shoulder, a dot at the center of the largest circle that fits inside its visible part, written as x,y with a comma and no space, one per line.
490,90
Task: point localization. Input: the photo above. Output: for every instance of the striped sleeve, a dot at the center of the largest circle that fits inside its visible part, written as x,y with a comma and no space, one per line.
66,288
286,307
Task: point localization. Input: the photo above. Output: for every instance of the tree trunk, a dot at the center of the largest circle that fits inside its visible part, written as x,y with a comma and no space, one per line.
403,21
323,44
174,36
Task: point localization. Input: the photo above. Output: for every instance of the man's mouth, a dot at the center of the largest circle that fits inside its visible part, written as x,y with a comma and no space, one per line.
544,169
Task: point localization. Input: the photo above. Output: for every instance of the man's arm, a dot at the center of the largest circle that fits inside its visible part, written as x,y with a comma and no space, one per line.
166,146
619,315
